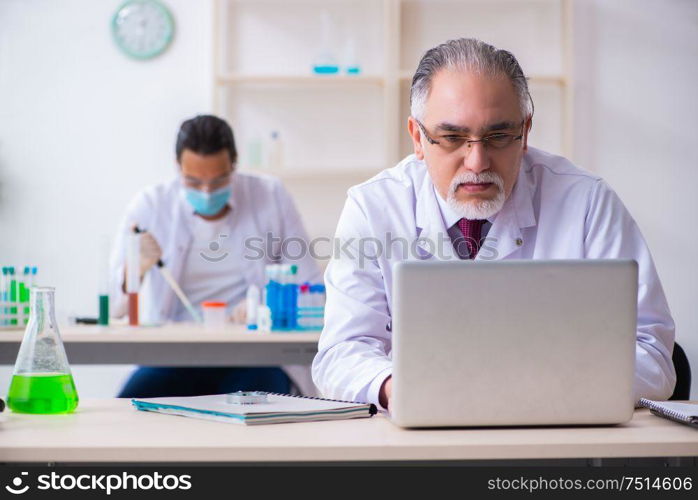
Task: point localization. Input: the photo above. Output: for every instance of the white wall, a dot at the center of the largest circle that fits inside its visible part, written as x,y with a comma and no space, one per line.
82,128
637,69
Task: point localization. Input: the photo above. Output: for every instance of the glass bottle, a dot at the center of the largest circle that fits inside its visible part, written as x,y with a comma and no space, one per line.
42,382
325,62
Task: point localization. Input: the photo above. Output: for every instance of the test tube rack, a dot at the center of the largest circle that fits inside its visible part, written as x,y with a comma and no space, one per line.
292,310
14,297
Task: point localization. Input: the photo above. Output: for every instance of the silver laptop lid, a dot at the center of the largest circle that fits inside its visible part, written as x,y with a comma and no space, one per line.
513,342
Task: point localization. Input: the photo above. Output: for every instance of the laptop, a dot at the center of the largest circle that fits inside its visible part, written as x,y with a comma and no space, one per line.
513,343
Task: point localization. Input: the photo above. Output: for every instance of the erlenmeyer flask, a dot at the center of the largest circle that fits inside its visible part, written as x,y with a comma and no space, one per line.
42,382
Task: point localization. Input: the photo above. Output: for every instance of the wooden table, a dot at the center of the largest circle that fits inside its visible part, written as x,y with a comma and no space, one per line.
176,344
112,431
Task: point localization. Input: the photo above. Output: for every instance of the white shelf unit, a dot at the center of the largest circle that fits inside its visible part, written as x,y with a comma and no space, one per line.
338,130
301,80
354,125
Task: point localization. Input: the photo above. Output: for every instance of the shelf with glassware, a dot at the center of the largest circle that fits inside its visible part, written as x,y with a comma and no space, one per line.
299,80
291,132
307,38
265,51
291,70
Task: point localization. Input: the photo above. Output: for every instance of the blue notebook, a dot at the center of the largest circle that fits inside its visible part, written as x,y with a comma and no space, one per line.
278,408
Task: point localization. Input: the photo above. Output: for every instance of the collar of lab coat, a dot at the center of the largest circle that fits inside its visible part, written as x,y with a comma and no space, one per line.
504,236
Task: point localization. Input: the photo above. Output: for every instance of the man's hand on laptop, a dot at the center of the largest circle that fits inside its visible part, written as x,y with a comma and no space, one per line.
386,392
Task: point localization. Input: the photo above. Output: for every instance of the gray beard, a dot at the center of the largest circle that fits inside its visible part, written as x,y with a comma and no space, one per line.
476,209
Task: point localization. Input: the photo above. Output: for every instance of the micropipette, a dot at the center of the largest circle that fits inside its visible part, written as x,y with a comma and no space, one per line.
178,291
167,275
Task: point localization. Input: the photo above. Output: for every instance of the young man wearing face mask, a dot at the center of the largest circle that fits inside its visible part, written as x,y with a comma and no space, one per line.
215,229
473,189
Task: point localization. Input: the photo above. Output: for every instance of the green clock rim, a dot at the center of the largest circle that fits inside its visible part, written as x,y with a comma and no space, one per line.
168,36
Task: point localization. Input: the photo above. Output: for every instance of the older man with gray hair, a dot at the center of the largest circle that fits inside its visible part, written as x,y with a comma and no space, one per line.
475,183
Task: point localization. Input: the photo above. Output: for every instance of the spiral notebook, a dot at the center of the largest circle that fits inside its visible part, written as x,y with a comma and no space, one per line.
684,413
279,408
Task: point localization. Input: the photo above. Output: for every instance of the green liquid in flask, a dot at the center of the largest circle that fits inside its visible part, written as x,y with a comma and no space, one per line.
42,393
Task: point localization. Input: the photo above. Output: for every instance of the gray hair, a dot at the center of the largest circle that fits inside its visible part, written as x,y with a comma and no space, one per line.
472,55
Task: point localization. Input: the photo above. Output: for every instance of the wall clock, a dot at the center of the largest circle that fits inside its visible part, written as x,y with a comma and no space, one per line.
142,29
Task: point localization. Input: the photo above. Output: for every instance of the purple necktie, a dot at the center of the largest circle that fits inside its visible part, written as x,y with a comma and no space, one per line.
472,232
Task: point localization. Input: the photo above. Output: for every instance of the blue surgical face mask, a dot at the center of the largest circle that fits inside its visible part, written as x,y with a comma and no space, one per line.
207,203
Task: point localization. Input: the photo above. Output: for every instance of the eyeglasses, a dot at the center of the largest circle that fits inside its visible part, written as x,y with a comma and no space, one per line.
212,185
453,142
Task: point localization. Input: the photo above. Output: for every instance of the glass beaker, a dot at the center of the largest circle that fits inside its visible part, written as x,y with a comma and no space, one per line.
42,382
325,62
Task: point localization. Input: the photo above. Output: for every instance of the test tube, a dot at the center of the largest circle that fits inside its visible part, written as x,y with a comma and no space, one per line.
252,303
281,301
4,297
284,295
273,294
133,279
292,297
322,291
13,295
24,288
103,281
317,294
32,284
304,321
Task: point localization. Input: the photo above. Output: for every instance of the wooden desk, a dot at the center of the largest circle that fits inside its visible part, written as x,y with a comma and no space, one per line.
113,431
177,344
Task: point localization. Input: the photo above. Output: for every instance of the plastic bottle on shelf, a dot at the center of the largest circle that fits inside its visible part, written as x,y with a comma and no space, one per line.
254,152
275,156
351,63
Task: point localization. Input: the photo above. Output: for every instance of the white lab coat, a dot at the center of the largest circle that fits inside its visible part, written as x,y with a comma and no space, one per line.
555,211
264,209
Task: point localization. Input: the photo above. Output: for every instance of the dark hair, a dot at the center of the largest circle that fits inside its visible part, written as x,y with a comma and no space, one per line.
204,135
